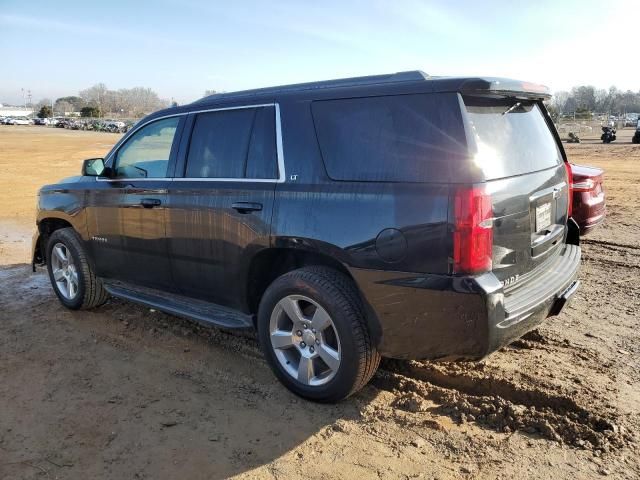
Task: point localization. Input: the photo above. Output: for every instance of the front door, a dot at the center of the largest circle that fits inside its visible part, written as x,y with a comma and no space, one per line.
127,212
220,210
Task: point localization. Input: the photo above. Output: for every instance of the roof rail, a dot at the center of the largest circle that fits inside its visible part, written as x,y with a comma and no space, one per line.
409,76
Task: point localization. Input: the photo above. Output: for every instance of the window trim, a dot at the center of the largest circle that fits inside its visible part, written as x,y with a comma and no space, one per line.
279,149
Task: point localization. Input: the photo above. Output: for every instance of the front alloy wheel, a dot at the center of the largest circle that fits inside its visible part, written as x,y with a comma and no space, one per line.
71,275
64,271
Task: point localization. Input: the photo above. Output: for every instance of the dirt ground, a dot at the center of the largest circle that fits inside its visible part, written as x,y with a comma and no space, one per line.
126,392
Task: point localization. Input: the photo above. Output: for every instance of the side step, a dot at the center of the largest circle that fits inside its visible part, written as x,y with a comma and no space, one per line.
198,310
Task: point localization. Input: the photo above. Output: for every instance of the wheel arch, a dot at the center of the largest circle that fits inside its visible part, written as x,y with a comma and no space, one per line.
46,226
270,263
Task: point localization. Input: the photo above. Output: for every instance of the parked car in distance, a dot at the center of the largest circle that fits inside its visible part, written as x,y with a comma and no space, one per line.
588,206
41,121
393,215
636,135
21,121
114,123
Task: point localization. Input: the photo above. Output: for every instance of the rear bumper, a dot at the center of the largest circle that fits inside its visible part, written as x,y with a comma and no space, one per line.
414,316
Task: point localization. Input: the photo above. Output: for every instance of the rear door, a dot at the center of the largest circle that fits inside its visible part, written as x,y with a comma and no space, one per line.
518,155
220,210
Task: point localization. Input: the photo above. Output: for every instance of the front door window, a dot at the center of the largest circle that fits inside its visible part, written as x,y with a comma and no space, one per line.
146,153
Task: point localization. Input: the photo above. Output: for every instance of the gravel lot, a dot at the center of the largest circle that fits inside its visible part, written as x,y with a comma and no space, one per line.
127,392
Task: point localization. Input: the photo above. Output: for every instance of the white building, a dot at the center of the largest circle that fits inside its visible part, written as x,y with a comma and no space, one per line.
7,111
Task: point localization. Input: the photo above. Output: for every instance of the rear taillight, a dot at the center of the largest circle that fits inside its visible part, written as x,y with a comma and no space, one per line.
567,165
583,185
473,230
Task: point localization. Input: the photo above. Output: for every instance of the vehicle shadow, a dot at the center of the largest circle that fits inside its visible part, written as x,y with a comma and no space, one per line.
123,391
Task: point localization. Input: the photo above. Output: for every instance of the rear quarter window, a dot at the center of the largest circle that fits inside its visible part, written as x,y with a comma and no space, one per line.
400,138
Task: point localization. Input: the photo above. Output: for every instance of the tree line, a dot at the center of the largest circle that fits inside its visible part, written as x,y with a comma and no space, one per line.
586,99
99,101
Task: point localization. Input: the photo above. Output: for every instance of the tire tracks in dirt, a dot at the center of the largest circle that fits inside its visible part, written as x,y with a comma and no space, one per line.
605,244
463,392
499,404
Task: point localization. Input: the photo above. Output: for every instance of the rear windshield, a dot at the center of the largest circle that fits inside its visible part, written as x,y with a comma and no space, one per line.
401,138
512,137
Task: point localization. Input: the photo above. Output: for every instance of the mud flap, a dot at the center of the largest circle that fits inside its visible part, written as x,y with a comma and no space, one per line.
563,299
573,232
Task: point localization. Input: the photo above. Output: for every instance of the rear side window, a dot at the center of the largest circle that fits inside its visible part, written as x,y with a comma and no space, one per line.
237,143
401,138
512,137
262,159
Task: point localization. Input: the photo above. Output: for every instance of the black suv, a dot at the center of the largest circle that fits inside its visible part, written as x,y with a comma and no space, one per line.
397,215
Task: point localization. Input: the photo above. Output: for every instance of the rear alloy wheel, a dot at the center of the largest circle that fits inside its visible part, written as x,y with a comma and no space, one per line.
314,334
305,340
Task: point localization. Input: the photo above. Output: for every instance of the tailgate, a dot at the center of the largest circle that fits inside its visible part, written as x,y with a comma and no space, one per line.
530,214
520,160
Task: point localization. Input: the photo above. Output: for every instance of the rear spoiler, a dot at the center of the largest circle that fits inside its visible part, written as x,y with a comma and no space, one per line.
505,87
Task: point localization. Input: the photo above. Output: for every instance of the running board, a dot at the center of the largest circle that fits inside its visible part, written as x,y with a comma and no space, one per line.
198,310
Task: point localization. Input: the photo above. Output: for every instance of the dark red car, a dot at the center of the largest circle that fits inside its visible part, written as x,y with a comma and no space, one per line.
588,207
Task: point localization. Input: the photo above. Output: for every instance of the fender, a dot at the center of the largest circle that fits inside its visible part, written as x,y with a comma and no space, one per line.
58,206
296,252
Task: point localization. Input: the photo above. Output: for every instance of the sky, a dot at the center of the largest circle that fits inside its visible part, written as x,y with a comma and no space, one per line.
180,48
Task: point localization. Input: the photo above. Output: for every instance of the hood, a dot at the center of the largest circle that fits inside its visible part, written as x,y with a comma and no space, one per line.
62,182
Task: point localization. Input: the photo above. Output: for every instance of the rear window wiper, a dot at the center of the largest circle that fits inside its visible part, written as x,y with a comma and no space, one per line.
512,108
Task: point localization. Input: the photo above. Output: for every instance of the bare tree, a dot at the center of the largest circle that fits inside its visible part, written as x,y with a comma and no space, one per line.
587,98
95,96
559,100
143,100
127,102
134,102
45,102
62,107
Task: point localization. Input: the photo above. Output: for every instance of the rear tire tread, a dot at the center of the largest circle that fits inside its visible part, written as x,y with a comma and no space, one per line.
347,299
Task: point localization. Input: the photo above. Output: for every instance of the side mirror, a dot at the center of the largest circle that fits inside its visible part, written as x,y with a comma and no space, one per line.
94,167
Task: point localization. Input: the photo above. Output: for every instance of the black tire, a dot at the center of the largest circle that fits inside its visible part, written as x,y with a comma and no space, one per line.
337,294
90,292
